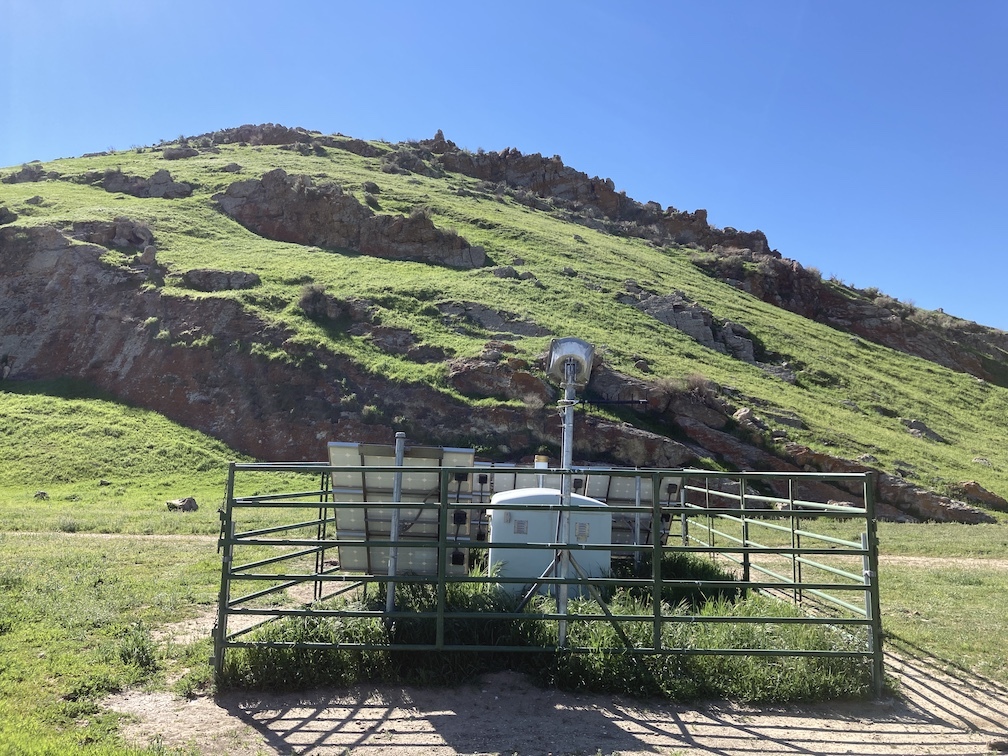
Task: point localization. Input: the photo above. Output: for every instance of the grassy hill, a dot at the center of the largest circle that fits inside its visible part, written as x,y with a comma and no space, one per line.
851,397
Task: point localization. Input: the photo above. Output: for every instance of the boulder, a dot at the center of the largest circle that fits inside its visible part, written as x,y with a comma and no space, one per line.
695,321
30,172
489,377
160,185
920,430
188,504
973,492
122,232
179,153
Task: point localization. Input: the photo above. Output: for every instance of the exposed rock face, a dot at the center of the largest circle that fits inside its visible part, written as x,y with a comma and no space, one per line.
293,209
696,322
402,342
702,420
275,134
7,215
466,314
63,313
953,343
895,492
160,185
549,177
122,232
480,377
260,134
974,493
203,279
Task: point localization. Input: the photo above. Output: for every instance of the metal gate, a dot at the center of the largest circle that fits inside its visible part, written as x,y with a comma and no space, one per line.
293,544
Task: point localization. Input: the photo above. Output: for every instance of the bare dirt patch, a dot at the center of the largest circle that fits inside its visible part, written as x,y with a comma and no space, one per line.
935,713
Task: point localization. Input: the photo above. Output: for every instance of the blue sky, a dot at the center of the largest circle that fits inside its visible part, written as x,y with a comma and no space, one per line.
866,139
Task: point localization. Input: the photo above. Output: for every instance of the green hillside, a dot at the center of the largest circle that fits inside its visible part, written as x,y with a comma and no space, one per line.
849,393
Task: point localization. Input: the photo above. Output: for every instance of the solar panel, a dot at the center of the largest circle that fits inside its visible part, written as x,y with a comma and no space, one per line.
418,526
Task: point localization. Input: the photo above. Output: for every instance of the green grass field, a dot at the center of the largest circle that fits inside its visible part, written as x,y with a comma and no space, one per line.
81,607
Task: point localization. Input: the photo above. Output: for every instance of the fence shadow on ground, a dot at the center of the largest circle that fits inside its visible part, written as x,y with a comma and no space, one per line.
934,711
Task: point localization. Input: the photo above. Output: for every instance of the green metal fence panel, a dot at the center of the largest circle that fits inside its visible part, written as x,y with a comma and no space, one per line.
271,552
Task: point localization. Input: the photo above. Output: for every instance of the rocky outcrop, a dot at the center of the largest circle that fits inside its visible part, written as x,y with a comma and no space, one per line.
695,321
179,153
703,418
29,172
575,191
275,134
973,493
950,342
121,233
919,429
259,134
490,377
893,491
160,185
7,215
293,209
465,315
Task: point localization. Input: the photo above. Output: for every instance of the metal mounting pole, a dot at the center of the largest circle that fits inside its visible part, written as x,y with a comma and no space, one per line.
393,561
567,456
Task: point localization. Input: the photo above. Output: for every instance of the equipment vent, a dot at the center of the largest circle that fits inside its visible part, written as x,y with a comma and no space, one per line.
521,527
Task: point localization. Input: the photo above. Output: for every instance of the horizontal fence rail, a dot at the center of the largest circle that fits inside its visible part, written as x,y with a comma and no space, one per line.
296,547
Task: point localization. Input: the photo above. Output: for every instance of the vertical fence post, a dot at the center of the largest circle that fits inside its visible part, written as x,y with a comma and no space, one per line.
637,518
745,534
683,519
225,542
795,544
321,531
872,601
656,561
442,564
710,517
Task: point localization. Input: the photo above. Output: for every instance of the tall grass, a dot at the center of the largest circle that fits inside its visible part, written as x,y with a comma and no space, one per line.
595,657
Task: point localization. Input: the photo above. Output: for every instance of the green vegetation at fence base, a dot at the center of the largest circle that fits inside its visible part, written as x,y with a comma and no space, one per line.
594,659
679,566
